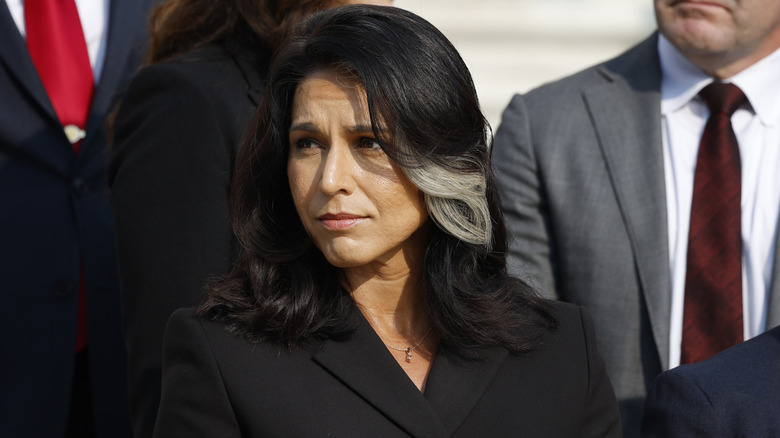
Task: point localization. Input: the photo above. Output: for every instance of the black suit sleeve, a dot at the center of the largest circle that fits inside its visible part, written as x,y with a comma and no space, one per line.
169,177
602,418
194,400
678,407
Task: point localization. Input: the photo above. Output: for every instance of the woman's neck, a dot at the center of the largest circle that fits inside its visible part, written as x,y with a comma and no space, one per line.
394,307
393,303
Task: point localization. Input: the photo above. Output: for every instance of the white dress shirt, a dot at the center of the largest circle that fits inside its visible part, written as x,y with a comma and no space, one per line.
94,21
757,127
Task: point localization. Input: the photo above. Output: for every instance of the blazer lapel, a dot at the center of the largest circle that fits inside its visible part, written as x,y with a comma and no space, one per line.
254,64
364,365
626,115
14,55
454,386
126,28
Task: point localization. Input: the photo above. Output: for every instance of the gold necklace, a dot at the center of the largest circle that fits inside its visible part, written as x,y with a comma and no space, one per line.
408,350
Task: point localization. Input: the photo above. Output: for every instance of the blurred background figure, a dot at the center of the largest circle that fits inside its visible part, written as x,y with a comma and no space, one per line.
645,189
372,298
734,394
62,360
174,143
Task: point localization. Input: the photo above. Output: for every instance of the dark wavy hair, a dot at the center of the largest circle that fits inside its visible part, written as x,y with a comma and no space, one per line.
282,290
179,26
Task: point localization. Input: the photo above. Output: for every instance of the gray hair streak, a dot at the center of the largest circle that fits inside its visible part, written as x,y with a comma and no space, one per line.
456,200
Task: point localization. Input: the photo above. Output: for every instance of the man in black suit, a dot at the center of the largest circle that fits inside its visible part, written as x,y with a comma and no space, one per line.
736,393
56,237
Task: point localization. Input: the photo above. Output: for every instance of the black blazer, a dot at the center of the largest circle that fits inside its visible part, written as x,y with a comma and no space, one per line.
172,159
54,218
216,384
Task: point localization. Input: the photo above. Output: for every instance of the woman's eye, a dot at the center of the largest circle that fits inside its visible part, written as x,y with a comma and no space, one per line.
305,143
369,143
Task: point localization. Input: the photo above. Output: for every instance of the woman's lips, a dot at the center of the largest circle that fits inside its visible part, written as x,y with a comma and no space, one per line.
698,4
340,221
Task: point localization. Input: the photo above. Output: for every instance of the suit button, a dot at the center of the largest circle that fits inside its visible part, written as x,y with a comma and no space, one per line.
64,287
79,185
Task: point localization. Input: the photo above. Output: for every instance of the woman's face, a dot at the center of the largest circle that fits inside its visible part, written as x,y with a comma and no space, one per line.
356,204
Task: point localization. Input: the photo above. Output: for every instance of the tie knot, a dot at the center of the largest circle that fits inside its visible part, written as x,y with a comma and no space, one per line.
723,98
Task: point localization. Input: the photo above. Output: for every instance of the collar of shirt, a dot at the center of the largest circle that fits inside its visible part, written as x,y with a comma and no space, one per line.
94,22
760,85
682,81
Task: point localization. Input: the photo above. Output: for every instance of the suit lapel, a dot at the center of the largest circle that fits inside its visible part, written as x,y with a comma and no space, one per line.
626,115
253,64
14,55
126,28
455,386
363,364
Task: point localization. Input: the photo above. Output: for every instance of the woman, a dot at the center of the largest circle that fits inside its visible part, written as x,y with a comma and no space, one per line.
372,298
172,158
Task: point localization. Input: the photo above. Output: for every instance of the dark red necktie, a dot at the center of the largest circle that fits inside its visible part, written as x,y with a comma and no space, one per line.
712,314
55,41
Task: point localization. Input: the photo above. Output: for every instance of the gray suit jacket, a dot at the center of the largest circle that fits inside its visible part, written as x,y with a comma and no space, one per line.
580,169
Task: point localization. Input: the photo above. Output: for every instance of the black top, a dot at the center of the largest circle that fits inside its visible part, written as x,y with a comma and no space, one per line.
172,159
217,384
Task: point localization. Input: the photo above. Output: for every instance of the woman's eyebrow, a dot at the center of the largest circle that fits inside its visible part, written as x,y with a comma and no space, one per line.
311,127
360,129
304,126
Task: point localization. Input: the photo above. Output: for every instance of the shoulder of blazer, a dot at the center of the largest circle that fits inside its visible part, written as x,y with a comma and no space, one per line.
731,394
571,325
746,367
247,64
638,67
226,343
208,74
209,65
215,67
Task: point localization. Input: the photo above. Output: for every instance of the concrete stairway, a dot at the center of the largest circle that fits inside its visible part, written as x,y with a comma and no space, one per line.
512,46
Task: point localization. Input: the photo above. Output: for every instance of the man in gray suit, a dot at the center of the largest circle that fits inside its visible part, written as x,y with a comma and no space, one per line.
596,175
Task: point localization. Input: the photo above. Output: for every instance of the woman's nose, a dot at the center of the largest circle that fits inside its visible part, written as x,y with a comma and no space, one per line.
338,170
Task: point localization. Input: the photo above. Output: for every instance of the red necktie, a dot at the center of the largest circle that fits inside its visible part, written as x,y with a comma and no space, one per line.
55,41
712,313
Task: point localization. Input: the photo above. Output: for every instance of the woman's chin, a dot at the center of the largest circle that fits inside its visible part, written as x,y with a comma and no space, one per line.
346,259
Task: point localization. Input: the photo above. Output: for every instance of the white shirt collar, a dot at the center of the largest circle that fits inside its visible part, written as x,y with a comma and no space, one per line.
682,81
760,84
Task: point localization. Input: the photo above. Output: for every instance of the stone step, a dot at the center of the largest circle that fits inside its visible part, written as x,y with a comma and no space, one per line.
512,46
